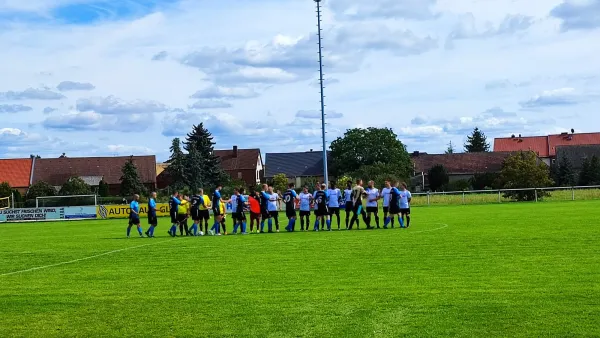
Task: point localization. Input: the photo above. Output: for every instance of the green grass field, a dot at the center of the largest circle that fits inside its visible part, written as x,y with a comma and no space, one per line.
523,270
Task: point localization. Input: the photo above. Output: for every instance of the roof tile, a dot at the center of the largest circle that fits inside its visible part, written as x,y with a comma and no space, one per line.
302,164
16,172
56,171
462,163
246,159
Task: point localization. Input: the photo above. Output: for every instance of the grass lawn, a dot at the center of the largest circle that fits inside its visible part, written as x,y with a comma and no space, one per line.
524,270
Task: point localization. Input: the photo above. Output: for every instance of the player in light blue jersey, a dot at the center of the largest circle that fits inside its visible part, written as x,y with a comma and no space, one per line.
405,198
305,200
134,216
335,199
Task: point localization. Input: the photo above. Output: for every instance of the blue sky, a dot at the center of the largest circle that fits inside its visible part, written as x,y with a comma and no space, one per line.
89,77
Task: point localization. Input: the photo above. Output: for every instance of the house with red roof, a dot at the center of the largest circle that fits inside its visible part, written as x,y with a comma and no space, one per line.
17,173
545,146
460,166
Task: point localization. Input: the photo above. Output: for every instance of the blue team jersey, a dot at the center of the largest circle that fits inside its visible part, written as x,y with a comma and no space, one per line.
241,203
394,197
264,200
405,196
321,198
135,206
305,202
289,197
234,203
152,207
174,203
216,200
335,197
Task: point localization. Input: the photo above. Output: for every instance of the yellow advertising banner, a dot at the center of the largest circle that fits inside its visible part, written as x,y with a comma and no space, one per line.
122,211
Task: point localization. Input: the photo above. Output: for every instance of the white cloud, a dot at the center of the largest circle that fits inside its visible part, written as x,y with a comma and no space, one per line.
555,97
71,85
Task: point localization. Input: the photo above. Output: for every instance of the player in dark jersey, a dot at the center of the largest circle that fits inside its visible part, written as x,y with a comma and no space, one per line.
394,207
238,207
196,201
174,203
289,198
358,192
348,206
216,208
321,198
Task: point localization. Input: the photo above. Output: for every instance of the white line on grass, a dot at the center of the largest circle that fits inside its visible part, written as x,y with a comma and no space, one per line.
79,259
436,229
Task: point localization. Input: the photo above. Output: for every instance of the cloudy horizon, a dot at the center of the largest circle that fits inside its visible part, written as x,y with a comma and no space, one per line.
105,78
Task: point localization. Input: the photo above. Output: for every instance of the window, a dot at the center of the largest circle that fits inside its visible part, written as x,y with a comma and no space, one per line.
239,175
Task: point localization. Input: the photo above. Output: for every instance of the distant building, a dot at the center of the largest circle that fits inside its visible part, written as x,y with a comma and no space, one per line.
17,172
56,171
577,154
296,166
545,146
242,164
460,166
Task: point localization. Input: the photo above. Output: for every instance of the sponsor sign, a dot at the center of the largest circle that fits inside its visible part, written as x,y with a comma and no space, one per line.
122,211
88,212
32,214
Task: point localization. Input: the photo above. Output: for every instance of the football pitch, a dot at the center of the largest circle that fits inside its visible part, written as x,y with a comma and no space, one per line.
528,269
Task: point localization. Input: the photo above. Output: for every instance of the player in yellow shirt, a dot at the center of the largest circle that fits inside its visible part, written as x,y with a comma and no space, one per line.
204,211
223,225
182,216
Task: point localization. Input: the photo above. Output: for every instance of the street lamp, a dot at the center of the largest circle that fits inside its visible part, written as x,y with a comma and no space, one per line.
325,173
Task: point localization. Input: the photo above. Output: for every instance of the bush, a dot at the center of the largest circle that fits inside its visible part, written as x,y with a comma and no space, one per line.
460,185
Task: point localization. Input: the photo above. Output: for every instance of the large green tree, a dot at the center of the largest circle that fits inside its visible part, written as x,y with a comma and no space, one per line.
359,147
75,186
565,175
590,172
524,170
477,142
130,180
377,172
483,181
438,177
450,149
200,144
194,170
177,165
103,189
5,189
280,182
40,189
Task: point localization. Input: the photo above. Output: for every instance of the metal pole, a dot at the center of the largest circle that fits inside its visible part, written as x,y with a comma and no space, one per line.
428,201
572,193
463,197
536,197
325,173
12,197
499,197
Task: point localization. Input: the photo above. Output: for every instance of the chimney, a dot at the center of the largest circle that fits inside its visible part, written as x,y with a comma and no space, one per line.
235,151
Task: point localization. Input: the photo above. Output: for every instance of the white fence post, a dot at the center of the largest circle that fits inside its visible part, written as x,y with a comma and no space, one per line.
572,193
463,197
536,194
428,202
499,196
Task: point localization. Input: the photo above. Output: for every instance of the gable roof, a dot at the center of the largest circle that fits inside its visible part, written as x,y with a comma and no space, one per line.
17,172
545,146
301,164
576,154
245,158
461,163
56,171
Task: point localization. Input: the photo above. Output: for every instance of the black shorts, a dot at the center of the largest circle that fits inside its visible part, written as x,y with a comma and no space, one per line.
290,213
274,214
334,211
196,215
216,211
405,211
386,209
238,216
254,216
394,210
134,220
204,215
173,214
181,218
304,213
349,206
265,214
152,220
322,211
372,209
